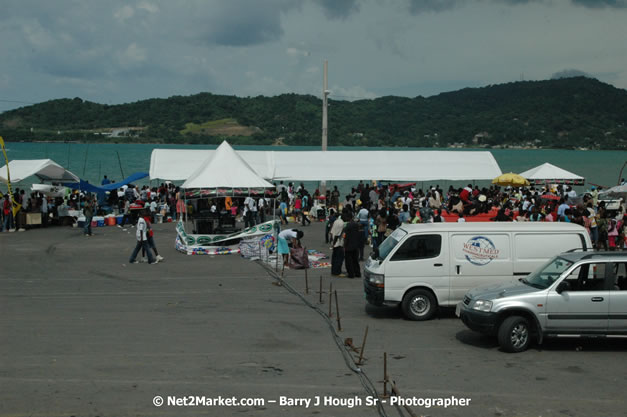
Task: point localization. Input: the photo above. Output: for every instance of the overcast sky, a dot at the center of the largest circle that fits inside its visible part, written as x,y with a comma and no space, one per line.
117,51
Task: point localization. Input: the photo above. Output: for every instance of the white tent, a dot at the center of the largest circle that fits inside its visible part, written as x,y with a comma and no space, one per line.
398,165
550,174
44,169
619,191
225,169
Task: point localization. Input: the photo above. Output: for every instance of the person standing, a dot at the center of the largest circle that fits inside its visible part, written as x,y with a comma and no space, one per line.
44,211
7,206
261,210
352,240
251,211
337,256
328,225
283,246
362,216
88,212
382,226
141,235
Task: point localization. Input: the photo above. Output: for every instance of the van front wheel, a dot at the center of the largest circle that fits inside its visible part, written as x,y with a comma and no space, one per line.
419,305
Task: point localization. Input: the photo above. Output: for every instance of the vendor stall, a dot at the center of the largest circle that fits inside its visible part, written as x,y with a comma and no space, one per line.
223,174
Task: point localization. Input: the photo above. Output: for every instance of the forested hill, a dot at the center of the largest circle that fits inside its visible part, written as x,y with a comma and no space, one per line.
566,113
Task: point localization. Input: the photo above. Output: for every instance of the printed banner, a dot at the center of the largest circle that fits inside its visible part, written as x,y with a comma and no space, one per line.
221,243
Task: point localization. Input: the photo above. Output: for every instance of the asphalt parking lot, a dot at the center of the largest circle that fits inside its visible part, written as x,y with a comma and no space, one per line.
85,334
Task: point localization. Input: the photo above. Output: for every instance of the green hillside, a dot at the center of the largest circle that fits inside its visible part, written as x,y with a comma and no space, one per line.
566,113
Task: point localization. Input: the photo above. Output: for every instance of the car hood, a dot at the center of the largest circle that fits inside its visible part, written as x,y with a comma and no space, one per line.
494,291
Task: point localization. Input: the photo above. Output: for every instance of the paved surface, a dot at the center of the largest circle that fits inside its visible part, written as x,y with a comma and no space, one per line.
82,333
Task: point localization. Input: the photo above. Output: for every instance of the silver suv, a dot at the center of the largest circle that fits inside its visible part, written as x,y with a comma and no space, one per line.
574,294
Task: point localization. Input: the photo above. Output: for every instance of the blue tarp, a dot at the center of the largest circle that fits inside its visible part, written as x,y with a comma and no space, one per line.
85,186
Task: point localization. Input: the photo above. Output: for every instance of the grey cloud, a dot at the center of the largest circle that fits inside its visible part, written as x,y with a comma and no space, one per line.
338,9
597,4
421,6
239,22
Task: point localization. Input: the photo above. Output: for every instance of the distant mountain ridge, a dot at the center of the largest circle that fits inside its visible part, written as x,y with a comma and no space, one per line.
568,113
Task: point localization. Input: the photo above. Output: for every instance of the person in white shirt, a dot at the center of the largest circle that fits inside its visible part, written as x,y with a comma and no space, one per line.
251,211
337,256
285,236
142,242
261,210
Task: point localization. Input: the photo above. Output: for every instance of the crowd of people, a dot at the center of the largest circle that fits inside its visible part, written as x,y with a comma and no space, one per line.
369,213
364,217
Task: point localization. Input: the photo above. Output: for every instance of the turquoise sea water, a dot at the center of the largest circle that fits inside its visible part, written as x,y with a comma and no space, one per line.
93,161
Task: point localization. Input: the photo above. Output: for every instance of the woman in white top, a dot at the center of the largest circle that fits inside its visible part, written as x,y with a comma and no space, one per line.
284,236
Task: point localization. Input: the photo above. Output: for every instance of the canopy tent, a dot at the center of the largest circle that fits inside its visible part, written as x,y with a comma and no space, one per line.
85,186
619,191
400,165
550,174
225,169
44,169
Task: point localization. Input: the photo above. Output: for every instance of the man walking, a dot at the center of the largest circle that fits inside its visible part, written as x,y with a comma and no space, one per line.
142,241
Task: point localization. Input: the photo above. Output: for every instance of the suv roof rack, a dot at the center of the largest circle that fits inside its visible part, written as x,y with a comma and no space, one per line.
576,249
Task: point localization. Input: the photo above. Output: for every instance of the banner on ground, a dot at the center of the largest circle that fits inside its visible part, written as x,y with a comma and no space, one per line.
221,243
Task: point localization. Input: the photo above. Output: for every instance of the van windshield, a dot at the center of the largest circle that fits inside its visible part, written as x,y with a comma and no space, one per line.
546,275
390,243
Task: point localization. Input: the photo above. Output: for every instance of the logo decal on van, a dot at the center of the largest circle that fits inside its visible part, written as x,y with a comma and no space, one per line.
480,250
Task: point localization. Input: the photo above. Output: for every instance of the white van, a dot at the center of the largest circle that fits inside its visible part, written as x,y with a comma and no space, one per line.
423,266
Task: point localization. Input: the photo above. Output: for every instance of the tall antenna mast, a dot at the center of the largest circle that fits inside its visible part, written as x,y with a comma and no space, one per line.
325,94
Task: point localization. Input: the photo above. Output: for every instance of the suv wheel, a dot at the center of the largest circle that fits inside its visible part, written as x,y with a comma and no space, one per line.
514,334
419,305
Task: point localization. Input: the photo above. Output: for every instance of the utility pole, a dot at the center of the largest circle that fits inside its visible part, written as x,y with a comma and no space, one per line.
325,94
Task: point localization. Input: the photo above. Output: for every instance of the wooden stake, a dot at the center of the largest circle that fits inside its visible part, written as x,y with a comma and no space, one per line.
385,374
397,393
363,345
337,311
330,299
320,289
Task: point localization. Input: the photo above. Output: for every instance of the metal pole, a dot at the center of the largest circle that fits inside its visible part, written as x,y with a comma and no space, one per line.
325,94
620,176
85,164
120,162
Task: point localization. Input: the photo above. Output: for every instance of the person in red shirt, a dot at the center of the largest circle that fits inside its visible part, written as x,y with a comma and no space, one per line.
150,236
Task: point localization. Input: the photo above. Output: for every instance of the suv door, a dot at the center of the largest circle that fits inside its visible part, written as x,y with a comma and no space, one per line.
584,306
618,299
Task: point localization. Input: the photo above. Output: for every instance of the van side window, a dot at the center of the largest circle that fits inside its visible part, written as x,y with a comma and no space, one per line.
419,247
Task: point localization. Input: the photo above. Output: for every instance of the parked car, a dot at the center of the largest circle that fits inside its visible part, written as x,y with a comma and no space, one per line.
423,266
573,294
